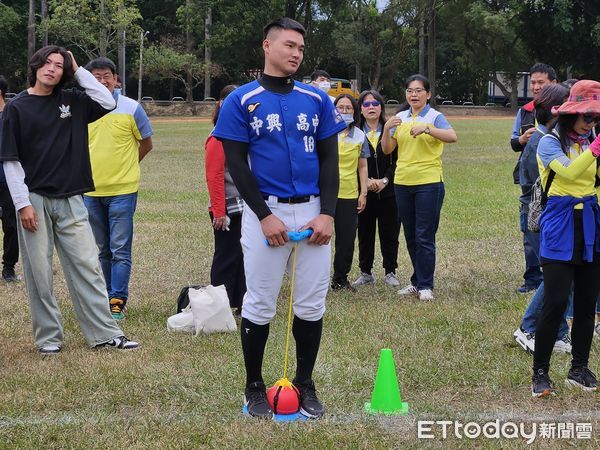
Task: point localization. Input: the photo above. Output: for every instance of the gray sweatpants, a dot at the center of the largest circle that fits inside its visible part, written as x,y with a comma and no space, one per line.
63,222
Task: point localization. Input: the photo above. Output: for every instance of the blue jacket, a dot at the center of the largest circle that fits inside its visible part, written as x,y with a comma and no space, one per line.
557,228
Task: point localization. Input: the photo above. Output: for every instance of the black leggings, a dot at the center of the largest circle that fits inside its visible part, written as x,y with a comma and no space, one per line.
558,278
228,262
346,221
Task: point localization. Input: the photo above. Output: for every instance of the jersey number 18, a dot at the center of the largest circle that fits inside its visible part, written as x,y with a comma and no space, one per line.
309,144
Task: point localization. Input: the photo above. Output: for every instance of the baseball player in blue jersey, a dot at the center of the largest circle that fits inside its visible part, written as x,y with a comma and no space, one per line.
280,139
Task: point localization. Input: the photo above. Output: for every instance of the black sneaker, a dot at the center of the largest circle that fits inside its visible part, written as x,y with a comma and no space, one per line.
583,378
310,406
526,289
255,400
9,275
339,285
541,384
120,343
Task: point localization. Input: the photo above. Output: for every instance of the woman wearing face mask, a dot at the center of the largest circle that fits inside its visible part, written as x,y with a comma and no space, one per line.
226,214
419,133
569,236
380,212
352,196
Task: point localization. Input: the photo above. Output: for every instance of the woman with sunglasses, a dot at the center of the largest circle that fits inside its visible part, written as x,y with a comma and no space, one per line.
225,209
352,195
380,212
569,236
419,133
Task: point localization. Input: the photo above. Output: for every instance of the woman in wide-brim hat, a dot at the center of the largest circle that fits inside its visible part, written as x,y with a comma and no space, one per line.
569,235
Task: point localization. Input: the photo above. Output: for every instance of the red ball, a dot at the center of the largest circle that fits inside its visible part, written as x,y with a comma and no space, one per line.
284,399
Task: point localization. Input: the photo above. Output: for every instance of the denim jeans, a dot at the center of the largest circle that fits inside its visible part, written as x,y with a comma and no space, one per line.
531,248
419,210
529,321
111,219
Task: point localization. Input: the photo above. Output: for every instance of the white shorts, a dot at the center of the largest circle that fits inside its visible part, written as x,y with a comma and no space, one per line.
265,266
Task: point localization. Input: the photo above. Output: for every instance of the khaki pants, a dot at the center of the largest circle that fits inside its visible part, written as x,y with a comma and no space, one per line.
63,222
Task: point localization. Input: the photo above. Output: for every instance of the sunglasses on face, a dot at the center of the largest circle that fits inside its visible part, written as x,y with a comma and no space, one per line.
590,118
373,103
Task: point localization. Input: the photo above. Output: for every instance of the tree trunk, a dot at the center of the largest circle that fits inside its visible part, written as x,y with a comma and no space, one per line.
375,72
31,30
421,38
207,51
494,79
358,76
44,7
514,94
121,58
189,94
103,37
431,64
308,17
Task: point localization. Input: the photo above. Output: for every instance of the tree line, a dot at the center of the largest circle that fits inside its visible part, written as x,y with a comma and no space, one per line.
194,47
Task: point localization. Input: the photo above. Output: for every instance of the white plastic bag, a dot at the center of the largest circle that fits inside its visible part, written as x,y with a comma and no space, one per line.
183,321
210,309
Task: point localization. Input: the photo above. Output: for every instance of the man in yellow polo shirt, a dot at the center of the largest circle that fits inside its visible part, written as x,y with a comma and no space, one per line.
118,142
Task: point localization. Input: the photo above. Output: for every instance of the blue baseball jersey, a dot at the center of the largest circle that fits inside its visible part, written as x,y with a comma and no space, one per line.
281,131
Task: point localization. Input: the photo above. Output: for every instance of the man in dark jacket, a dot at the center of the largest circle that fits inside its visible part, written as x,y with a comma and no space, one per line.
540,76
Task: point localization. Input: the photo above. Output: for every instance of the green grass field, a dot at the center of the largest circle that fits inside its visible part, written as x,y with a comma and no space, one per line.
455,357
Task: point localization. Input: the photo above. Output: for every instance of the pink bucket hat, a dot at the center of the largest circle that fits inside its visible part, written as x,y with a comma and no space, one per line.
584,98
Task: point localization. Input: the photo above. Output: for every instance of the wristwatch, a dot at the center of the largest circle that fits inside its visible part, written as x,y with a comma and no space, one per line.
427,130
385,181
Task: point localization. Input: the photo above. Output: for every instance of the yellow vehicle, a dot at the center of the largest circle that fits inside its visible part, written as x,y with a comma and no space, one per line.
341,86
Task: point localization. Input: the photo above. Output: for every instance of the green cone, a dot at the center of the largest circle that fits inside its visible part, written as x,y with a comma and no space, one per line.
386,394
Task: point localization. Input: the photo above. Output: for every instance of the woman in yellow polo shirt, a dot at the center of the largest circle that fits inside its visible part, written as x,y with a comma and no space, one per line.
569,236
419,133
353,150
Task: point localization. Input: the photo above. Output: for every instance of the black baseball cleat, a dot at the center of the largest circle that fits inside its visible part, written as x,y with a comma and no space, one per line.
256,402
310,406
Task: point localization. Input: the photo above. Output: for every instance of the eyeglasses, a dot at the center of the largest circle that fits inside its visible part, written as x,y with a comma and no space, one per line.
589,118
415,91
373,103
345,109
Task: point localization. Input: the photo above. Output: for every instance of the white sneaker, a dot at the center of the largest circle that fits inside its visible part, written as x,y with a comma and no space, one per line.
49,350
365,278
119,343
597,330
525,340
425,294
391,280
408,290
562,345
